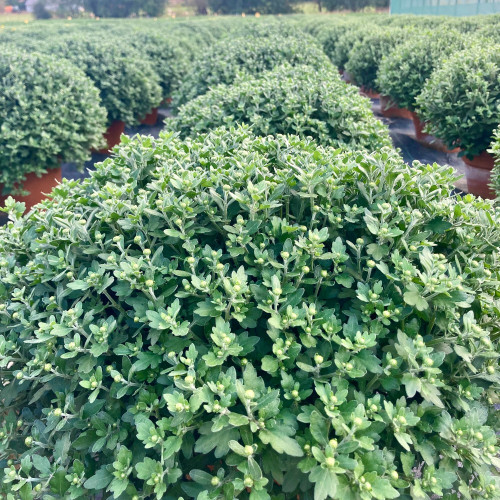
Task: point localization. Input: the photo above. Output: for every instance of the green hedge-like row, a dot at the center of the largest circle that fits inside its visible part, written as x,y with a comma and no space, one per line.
133,78
56,103
446,70
397,55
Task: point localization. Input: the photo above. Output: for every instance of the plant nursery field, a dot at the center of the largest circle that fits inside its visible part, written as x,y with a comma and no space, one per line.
265,302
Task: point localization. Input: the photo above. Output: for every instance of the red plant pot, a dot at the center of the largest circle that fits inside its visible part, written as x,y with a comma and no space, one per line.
390,110
151,118
372,94
38,187
112,136
419,125
478,174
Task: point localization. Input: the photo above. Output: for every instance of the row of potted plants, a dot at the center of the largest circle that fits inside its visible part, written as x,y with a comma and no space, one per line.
126,84
65,94
444,79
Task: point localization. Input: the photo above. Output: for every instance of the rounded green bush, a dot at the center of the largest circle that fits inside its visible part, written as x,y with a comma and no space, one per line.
245,317
461,100
166,55
49,112
346,42
366,55
250,55
495,151
404,71
128,85
301,100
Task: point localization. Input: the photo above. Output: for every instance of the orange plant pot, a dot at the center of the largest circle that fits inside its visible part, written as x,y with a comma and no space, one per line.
112,135
38,187
390,110
419,125
151,118
372,94
478,174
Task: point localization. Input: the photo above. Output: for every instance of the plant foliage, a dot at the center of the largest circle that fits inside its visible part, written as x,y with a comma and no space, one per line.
49,111
495,151
303,100
365,56
461,99
128,84
250,55
242,317
404,71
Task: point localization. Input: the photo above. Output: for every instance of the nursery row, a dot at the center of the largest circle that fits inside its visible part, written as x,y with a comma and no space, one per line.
444,75
64,85
220,313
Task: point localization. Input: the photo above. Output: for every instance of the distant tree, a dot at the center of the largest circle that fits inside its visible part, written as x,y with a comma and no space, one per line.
353,5
201,6
2,5
250,6
40,10
125,8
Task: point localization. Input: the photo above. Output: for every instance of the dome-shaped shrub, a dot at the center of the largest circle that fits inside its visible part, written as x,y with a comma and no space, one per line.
495,151
166,55
241,317
404,71
461,100
346,42
365,56
252,55
49,111
302,100
127,82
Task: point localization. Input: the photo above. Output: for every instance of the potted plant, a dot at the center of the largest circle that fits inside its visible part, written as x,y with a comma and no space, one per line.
128,84
365,57
495,173
239,302
404,70
168,60
251,55
461,104
49,112
302,100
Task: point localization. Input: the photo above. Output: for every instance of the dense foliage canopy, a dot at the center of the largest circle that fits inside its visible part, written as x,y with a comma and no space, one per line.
251,55
49,111
303,100
461,100
234,316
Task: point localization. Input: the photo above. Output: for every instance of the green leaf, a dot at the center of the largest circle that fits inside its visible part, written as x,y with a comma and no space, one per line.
146,468
413,297
280,442
99,480
326,483
319,428
59,484
215,440
171,445
381,488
